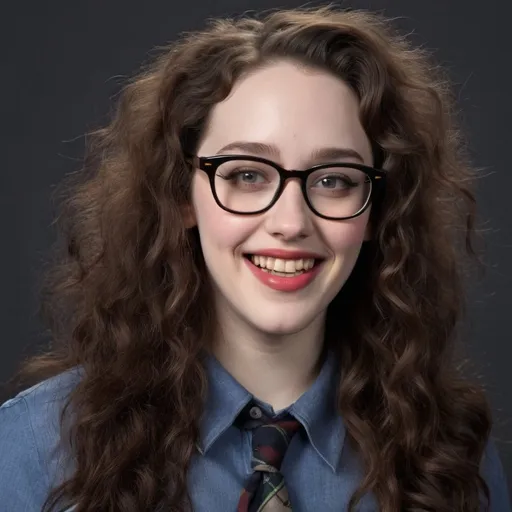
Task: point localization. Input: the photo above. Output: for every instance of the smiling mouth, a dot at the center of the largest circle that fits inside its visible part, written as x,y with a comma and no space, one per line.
283,267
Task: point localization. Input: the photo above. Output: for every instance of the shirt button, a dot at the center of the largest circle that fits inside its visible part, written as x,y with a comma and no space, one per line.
255,412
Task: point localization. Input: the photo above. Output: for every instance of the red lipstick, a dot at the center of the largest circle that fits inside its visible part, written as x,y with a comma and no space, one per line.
288,254
280,283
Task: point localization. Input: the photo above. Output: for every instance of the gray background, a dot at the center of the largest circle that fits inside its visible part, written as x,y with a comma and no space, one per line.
62,63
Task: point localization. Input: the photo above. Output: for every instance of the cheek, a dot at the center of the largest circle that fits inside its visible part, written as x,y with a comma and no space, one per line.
223,231
344,236
218,229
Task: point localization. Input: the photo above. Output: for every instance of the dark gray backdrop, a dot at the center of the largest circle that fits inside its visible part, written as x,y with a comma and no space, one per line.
63,61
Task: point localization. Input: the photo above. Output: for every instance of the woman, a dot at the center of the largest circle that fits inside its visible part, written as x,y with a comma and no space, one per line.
258,302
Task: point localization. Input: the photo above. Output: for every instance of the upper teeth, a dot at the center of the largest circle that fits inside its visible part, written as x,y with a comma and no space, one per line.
280,265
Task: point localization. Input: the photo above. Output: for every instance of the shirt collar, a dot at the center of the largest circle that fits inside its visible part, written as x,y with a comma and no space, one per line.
226,398
315,409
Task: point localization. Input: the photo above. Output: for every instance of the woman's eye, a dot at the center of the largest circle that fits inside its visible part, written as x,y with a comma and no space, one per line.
249,176
335,182
245,176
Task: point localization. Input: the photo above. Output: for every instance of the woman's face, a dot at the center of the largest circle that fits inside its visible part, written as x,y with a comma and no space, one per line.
297,112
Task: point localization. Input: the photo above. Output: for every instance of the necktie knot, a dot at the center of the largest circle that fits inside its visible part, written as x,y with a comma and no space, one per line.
271,438
270,442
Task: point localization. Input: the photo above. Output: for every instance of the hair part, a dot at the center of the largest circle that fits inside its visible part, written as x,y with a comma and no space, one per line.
128,300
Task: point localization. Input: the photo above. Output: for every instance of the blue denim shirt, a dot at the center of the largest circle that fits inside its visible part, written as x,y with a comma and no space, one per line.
320,468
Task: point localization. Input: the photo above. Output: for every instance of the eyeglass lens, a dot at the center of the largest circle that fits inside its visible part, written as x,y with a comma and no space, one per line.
247,187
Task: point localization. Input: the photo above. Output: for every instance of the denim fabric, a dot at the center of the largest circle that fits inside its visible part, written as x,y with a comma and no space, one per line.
320,469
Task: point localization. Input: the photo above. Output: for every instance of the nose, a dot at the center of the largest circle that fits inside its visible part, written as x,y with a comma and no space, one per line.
290,217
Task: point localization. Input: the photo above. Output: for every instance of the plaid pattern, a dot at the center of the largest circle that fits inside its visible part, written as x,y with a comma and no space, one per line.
264,490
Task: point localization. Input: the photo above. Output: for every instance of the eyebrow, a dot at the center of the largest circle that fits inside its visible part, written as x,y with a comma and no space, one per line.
262,149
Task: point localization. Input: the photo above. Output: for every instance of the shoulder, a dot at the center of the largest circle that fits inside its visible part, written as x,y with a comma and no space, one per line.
491,469
29,434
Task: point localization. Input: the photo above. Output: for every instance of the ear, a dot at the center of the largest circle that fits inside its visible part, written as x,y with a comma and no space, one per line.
189,216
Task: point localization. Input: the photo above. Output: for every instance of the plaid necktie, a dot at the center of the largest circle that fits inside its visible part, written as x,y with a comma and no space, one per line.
264,490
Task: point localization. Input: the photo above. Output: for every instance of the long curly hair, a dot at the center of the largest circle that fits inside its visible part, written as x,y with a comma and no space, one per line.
127,298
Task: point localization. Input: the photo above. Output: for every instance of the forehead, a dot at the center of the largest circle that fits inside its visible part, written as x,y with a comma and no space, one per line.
296,109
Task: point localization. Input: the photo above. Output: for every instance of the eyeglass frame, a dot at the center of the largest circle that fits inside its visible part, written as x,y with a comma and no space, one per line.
210,164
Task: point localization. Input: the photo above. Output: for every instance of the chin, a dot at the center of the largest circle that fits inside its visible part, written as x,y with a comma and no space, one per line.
282,326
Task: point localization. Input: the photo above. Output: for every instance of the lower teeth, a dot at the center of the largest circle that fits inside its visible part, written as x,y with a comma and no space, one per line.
283,274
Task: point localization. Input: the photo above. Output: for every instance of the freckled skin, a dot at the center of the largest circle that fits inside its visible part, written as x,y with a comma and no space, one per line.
298,111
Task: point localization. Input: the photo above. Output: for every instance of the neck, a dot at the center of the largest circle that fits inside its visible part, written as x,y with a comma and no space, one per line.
276,369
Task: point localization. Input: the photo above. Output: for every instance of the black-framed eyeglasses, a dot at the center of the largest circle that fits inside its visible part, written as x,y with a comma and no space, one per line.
248,185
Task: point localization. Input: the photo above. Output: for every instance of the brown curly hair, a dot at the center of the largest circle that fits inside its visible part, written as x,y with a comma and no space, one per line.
127,297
